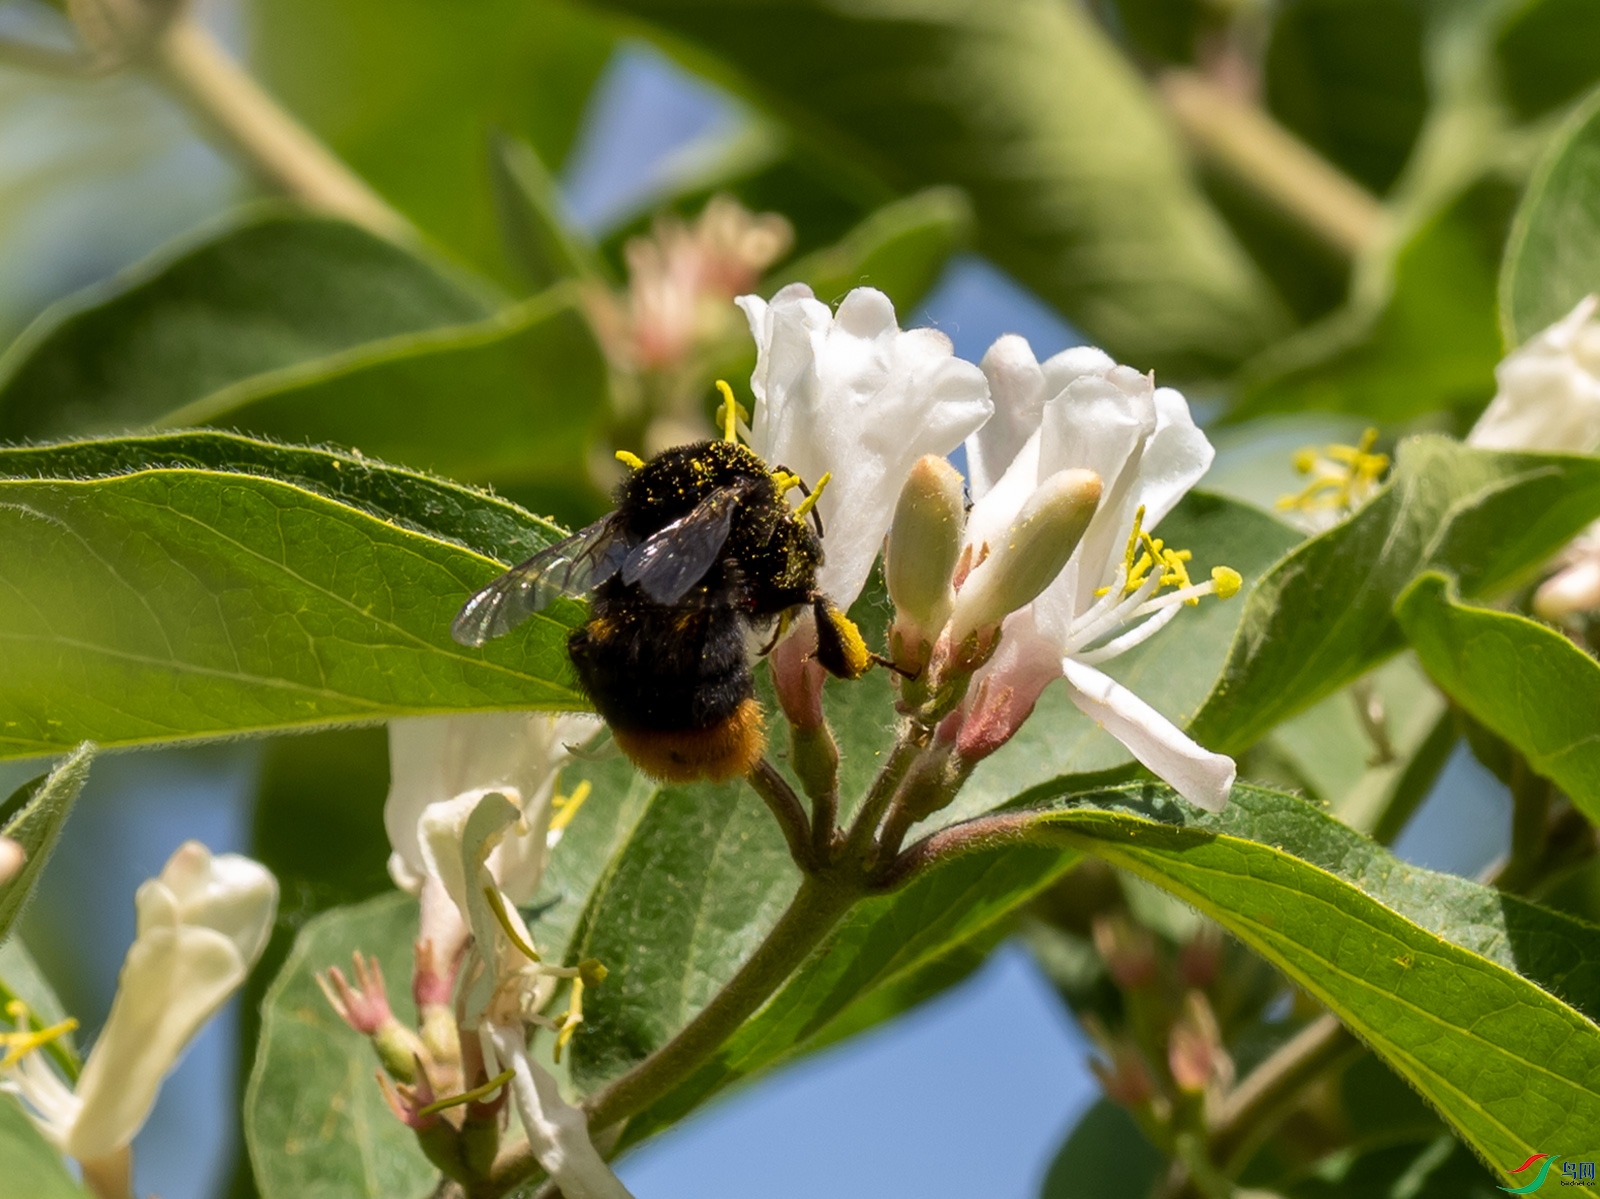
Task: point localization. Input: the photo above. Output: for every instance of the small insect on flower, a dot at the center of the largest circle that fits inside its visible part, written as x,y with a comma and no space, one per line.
702,559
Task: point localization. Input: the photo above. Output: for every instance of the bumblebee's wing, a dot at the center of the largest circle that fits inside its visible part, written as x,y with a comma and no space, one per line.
572,566
673,559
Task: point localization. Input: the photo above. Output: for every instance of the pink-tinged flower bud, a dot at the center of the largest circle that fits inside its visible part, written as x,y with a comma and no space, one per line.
798,678
1128,950
12,856
1002,697
920,557
1195,1053
1125,1076
1028,556
365,1008
1200,959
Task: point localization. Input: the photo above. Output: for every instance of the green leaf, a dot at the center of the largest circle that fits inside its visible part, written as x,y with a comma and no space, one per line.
29,1167
264,293
1552,259
1105,1156
1548,54
513,401
1323,616
541,238
169,603
1347,76
900,249
41,808
314,1118
1436,1169
1079,184
1483,1002
1521,679
410,93
1418,334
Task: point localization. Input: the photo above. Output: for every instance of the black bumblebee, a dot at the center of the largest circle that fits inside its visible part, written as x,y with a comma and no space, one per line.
701,558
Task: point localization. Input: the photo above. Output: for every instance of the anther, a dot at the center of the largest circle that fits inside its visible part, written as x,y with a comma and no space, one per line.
497,905
810,501
730,413
631,461
566,806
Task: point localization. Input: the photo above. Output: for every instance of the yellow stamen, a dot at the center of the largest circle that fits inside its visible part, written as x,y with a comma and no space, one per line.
1343,476
494,1084
810,501
497,905
25,1040
729,413
631,461
784,481
573,1018
1146,553
566,806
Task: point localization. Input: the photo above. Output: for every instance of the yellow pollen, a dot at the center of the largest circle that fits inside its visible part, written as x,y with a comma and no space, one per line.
1342,476
1146,553
631,461
573,1018
810,501
494,1084
566,806
784,481
729,413
498,905
25,1040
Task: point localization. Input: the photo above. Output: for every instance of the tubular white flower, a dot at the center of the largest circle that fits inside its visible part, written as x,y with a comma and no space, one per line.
1549,390
851,395
445,760
202,923
1143,444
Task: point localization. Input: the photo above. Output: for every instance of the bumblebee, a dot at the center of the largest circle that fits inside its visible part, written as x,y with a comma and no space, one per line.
701,561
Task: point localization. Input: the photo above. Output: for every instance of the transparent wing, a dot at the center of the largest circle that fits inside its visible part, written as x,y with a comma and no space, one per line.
672,560
572,566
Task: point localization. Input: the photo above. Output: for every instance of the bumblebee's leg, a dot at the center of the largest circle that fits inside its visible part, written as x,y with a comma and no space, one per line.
840,647
778,631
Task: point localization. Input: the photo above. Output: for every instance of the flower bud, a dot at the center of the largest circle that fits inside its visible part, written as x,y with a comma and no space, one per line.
1029,556
1195,1053
923,544
1128,950
1548,396
1572,590
12,856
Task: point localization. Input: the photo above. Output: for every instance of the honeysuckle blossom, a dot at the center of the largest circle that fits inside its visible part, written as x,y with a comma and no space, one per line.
1549,399
471,819
1548,396
1144,446
202,923
852,397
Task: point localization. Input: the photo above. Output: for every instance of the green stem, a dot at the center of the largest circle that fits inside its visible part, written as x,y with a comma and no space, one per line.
1280,167
247,121
1266,1096
817,907
766,782
1530,820
859,841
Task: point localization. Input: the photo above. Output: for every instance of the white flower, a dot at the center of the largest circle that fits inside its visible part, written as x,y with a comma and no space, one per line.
202,923
1575,587
1549,390
437,760
852,396
1080,411
12,858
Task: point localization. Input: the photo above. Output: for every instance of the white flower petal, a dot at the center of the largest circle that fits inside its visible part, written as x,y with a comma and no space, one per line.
228,893
851,395
435,759
1016,385
558,1132
1200,776
1549,390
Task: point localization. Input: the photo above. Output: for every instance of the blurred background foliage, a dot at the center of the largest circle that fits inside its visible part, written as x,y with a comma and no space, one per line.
1297,210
